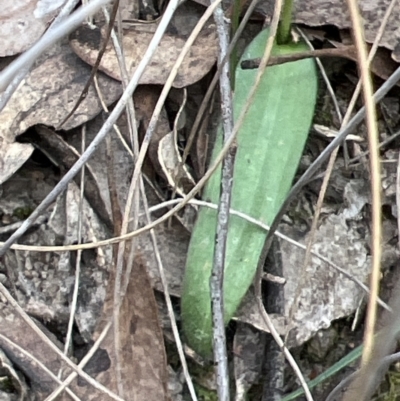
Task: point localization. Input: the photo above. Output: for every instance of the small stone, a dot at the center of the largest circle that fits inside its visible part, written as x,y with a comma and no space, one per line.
321,344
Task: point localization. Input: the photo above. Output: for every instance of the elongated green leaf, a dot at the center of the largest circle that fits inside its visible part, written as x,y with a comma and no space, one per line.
270,144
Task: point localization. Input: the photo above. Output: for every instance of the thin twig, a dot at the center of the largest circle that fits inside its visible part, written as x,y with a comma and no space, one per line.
279,341
345,52
325,75
274,302
217,272
373,141
119,51
95,66
132,201
79,252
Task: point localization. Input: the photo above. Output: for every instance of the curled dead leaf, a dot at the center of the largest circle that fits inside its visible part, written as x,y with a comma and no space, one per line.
177,173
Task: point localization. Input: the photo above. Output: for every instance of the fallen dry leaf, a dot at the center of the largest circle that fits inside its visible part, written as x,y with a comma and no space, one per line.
141,349
46,96
17,330
335,12
198,62
12,156
41,384
328,12
22,23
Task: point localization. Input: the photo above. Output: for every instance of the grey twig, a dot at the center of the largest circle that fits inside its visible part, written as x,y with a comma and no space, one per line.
217,275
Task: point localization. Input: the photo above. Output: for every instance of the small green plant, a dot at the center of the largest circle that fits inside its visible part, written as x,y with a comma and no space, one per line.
270,144
22,212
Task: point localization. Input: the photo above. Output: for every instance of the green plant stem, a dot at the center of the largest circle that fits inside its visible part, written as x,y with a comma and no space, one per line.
283,34
236,10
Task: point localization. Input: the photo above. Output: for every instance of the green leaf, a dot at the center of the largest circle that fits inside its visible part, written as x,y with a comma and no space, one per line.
270,144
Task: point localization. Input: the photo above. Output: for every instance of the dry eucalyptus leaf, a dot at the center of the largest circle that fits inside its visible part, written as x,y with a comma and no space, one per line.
42,385
49,92
22,23
136,38
18,331
335,12
328,12
143,364
12,156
